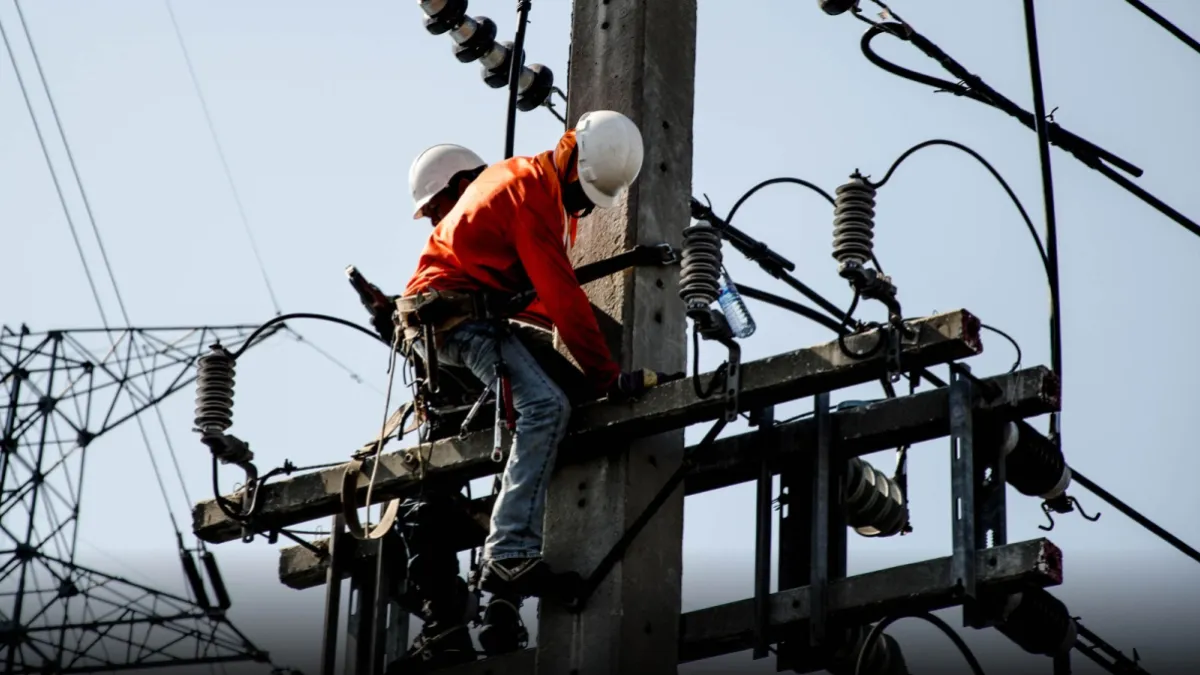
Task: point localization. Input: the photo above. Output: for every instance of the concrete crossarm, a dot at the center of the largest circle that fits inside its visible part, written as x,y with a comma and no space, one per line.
938,339
734,459
864,598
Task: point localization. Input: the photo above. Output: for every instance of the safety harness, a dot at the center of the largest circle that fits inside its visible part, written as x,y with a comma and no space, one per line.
428,317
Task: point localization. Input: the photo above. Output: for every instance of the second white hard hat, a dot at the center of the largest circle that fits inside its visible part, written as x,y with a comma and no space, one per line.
610,155
432,170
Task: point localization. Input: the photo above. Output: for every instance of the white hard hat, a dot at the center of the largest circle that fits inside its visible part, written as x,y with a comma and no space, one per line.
610,155
432,170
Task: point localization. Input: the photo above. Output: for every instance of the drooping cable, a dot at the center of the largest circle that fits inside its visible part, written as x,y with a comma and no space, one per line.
839,328
925,374
387,406
1049,268
877,631
316,316
776,181
1037,240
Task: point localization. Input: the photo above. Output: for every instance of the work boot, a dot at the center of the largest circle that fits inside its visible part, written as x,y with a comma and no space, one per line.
529,578
450,604
503,630
436,647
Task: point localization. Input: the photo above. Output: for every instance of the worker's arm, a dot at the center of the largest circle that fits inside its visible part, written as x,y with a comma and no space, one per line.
536,314
539,243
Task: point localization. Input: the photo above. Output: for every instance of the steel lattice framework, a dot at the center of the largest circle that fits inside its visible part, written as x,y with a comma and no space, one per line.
61,391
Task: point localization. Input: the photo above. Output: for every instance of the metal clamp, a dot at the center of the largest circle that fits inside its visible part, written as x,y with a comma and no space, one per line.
717,328
670,255
229,449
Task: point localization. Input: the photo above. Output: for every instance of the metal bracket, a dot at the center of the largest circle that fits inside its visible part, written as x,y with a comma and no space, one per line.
764,419
339,546
377,622
962,481
670,255
818,586
733,380
812,543
717,328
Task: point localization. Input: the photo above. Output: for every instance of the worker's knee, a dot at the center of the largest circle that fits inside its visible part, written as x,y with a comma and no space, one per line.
544,408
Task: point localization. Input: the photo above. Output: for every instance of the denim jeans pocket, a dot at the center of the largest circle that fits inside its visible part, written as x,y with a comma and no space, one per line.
464,340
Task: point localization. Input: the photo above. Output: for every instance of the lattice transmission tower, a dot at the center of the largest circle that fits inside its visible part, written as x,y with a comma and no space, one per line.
59,392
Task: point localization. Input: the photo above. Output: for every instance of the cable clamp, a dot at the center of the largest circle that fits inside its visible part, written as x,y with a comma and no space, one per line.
670,255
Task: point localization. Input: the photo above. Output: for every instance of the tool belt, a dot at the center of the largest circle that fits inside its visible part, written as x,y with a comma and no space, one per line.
439,312
431,315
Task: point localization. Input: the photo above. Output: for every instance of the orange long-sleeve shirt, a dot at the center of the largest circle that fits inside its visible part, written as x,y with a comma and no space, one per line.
508,230
536,314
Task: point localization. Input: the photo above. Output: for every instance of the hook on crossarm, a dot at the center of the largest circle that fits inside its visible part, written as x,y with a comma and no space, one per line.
1064,504
1079,507
1049,518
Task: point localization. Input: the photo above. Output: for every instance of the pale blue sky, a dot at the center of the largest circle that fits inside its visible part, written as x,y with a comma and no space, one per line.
321,107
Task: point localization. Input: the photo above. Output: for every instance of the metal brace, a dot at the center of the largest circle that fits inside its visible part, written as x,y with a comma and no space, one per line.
229,449
717,328
614,555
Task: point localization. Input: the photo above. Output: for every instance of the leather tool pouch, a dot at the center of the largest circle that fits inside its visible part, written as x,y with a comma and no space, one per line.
430,316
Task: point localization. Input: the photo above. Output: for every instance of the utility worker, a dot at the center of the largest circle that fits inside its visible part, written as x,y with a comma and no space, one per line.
512,226
437,179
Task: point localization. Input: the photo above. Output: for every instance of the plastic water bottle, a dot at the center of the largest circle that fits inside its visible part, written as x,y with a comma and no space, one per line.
734,308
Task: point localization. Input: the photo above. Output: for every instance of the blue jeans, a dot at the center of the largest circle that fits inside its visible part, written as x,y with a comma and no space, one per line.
543,412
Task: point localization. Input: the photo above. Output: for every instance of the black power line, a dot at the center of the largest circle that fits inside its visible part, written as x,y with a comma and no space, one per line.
973,87
91,217
1162,21
87,270
839,316
1043,136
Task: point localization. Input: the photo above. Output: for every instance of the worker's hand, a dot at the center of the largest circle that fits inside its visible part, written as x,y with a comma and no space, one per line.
635,383
381,320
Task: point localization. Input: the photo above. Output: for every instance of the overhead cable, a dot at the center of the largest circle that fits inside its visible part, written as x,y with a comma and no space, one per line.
838,315
237,199
1043,138
87,204
973,87
1162,21
112,278
54,176
212,129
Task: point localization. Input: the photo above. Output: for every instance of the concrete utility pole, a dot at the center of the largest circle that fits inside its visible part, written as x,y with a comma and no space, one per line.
622,60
